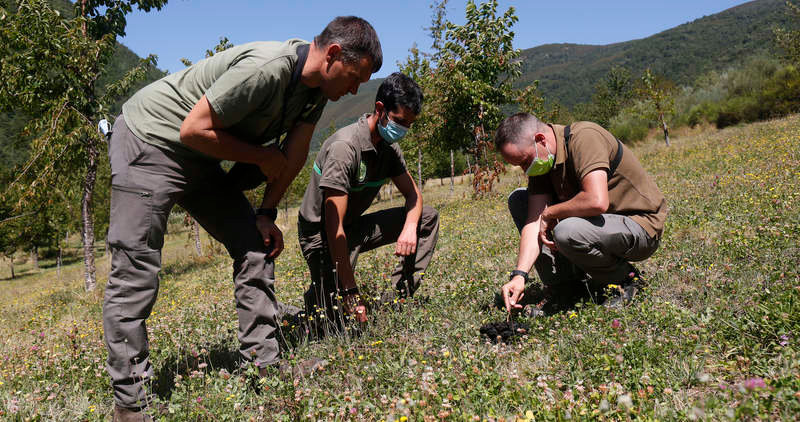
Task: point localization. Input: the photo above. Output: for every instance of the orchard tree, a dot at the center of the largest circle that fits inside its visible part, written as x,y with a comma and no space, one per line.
467,81
50,65
658,99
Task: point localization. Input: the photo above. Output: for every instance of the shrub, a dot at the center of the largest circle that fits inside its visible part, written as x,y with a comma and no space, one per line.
629,126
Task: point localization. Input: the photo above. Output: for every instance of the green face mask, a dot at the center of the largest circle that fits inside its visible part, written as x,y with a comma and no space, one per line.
540,166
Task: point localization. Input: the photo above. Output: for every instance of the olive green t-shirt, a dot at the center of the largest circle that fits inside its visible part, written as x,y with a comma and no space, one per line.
348,162
631,191
246,87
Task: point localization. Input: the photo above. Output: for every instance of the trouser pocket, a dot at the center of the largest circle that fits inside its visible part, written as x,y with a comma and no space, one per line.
131,218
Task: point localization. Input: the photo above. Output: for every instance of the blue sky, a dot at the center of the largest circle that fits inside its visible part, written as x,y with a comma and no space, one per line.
186,28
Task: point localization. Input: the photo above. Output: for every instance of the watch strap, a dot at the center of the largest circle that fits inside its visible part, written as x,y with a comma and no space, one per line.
519,273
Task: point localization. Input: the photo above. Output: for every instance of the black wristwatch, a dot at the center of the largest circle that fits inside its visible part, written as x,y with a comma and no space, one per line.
347,292
272,213
520,273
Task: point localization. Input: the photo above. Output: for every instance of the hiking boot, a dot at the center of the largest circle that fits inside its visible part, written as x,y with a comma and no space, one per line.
621,295
124,414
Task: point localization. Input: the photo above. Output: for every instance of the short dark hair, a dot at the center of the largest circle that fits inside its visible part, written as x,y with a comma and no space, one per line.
513,129
357,38
400,90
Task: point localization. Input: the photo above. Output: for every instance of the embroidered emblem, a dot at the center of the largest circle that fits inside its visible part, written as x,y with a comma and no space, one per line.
362,172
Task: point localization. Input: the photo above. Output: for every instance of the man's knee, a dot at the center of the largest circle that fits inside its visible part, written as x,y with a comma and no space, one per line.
430,218
569,234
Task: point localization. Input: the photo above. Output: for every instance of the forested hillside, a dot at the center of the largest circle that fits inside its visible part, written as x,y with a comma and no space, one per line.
567,73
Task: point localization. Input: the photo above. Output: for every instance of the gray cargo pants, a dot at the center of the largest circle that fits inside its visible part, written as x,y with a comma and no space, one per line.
146,183
366,233
600,247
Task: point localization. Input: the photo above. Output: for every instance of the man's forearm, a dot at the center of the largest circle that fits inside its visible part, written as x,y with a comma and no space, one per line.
528,247
337,245
297,144
222,145
274,191
413,209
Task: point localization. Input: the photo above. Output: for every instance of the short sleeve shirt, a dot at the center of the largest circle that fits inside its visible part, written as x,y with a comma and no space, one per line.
348,162
631,191
245,86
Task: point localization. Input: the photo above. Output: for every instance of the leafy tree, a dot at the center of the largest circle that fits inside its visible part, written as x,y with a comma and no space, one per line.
613,93
49,69
467,81
657,95
789,40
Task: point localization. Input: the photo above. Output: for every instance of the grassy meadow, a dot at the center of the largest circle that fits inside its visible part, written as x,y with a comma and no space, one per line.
715,337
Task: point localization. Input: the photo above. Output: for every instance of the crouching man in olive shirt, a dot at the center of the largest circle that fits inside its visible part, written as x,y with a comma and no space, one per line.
348,172
590,208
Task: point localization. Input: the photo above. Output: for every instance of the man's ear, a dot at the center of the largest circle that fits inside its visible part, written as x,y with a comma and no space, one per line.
379,107
539,137
332,52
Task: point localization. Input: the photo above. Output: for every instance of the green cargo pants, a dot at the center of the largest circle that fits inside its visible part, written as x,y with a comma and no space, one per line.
146,183
366,233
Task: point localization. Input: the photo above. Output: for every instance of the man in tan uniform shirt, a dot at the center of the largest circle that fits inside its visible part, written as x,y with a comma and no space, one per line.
589,209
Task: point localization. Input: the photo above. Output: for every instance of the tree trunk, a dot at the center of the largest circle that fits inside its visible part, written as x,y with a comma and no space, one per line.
58,264
198,247
469,167
452,170
35,258
419,168
11,266
87,212
666,129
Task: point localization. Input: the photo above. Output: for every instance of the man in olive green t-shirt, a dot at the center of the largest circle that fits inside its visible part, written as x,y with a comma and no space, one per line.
590,208
165,149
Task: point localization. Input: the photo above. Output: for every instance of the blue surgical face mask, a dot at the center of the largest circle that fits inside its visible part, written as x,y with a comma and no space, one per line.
540,166
392,132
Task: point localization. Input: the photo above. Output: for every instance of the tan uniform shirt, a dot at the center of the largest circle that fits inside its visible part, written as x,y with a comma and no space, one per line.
631,191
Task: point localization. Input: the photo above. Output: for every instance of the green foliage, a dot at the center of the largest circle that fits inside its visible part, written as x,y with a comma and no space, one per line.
50,68
613,93
467,82
787,38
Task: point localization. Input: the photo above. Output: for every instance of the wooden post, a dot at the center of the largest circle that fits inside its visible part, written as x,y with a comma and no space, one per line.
198,247
35,257
452,170
419,168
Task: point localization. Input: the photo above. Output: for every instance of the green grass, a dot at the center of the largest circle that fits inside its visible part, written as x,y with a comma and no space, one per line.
721,316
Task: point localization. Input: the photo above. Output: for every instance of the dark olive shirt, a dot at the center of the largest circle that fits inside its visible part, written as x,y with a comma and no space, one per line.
631,191
348,162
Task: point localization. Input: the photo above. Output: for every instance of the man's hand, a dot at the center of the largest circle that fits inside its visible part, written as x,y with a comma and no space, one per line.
407,242
354,306
546,227
272,235
272,163
513,292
